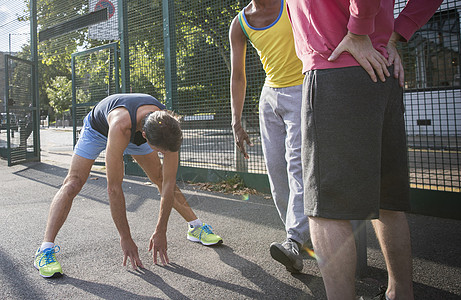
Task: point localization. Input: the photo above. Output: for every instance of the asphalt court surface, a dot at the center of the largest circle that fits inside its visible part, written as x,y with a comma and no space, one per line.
241,268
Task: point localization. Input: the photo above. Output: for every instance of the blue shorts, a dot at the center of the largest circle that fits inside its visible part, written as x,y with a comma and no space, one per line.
91,143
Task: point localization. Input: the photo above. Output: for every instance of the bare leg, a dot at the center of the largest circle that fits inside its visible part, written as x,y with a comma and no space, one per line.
152,166
60,206
394,237
334,246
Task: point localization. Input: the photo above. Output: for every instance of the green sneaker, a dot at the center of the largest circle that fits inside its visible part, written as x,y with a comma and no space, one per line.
45,262
203,234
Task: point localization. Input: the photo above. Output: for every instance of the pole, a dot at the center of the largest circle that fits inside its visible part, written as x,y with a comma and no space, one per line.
169,39
124,45
35,94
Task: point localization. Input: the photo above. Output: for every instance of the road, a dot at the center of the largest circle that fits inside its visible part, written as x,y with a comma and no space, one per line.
241,268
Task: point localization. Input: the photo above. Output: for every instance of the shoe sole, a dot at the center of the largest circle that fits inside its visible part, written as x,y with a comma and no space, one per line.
55,275
196,240
280,256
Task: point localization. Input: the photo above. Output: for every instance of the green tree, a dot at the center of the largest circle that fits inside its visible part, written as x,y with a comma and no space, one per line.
55,54
203,58
60,94
201,46
147,62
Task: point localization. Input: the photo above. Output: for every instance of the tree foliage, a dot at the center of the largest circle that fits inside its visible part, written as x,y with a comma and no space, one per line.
60,94
200,44
55,54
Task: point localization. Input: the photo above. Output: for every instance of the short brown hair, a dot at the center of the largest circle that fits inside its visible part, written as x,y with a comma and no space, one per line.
163,130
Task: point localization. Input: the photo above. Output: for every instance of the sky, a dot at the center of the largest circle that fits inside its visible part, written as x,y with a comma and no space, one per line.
10,27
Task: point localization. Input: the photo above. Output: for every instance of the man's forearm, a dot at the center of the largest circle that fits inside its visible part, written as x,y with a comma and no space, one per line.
238,87
118,212
170,165
166,204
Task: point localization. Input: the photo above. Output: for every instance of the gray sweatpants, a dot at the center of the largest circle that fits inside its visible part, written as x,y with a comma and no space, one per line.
280,125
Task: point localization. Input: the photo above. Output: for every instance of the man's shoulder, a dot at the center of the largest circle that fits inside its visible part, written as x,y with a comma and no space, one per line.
235,21
119,117
236,30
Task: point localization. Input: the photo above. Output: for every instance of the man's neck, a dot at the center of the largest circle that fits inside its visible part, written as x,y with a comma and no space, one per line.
261,13
261,4
142,112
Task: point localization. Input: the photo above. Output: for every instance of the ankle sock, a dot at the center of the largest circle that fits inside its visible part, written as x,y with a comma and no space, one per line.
46,245
195,223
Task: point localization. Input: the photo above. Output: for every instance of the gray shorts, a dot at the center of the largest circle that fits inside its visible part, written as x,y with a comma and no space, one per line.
353,145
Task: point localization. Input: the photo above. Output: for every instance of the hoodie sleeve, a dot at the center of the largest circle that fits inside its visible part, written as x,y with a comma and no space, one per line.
362,16
415,14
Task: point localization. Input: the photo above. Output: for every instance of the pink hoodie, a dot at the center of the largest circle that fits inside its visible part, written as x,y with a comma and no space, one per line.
320,25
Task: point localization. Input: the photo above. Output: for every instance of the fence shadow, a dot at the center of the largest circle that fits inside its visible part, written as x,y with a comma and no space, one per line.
272,287
104,291
9,268
94,188
433,239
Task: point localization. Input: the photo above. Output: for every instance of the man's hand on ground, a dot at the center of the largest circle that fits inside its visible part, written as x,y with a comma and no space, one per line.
158,243
130,250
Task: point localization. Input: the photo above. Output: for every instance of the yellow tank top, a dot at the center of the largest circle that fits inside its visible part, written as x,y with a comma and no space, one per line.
276,49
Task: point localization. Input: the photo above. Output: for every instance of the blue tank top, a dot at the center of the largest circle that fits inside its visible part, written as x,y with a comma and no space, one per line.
98,115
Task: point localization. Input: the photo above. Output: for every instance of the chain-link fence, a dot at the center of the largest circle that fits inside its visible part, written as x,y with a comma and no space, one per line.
95,75
203,87
144,31
178,51
433,100
14,40
190,40
78,59
18,106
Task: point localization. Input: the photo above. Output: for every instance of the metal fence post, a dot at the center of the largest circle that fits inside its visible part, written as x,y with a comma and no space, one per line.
7,99
34,59
124,45
74,103
169,39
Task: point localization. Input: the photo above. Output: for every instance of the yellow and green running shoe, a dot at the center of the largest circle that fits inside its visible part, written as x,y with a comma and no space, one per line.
45,262
203,234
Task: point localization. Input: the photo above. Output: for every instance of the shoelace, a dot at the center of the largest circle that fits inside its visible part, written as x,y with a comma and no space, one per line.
48,255
207,228
292,246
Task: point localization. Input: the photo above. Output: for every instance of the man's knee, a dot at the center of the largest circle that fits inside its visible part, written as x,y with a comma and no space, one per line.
157,179
73,184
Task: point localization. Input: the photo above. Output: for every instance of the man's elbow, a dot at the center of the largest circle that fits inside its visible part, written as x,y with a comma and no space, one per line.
238,79
114,192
